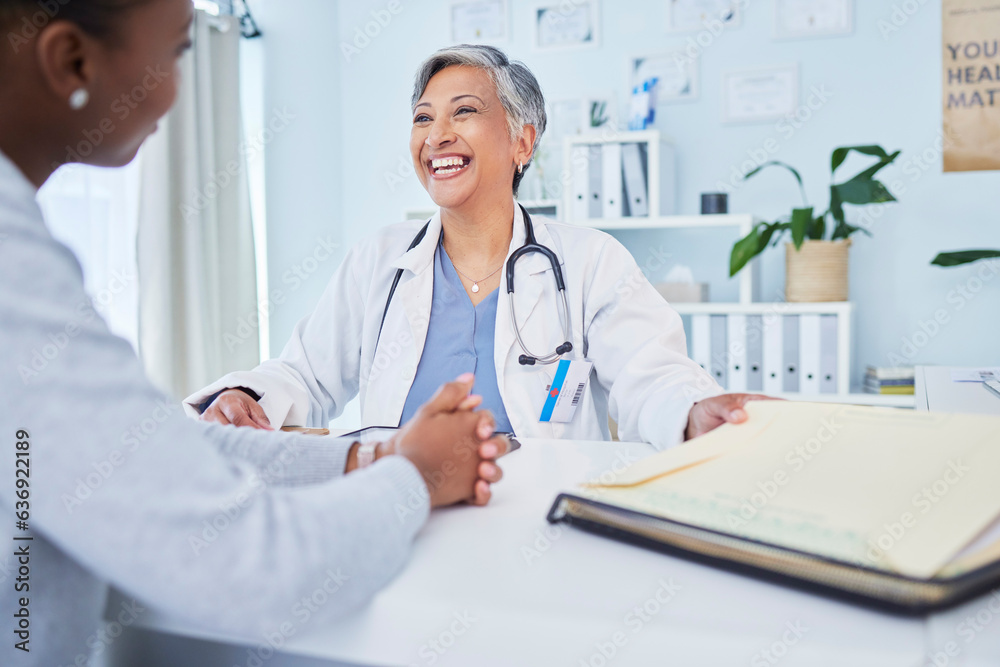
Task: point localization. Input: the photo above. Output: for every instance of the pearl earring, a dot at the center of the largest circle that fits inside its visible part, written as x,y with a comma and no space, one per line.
520,168
79,99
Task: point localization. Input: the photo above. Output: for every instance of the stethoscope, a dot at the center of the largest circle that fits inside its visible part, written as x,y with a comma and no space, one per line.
530,246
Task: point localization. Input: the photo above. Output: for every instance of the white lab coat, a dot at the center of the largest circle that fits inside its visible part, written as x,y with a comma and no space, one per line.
642,376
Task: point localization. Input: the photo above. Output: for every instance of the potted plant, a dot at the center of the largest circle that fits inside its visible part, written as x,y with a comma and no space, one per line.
816,258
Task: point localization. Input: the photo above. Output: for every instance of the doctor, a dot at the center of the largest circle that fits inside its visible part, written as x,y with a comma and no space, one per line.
417,303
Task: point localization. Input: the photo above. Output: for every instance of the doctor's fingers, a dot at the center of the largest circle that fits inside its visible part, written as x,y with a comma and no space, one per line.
214,414
246,413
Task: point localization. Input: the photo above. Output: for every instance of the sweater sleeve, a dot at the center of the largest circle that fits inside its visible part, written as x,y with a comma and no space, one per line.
185,516
283,459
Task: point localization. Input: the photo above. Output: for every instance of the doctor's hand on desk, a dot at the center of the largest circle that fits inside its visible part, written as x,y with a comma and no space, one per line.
711,413
237,407
454,448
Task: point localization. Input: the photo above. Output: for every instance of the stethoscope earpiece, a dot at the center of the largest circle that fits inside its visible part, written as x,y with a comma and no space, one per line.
525,360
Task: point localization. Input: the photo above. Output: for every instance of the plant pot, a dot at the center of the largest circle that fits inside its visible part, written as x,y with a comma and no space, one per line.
817,272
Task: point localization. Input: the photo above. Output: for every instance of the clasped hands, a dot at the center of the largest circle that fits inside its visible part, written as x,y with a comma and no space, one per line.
452,445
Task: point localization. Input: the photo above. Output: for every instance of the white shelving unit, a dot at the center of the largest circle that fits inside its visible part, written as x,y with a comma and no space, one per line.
748,278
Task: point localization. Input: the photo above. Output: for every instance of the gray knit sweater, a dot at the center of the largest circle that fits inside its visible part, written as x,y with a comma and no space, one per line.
231,528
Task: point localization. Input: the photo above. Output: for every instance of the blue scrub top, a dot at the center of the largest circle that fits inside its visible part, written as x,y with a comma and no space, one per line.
459,340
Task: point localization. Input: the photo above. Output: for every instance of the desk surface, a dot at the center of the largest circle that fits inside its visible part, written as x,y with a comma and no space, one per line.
534,594
936,391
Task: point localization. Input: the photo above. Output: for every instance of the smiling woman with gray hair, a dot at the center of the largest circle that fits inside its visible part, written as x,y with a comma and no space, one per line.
418,303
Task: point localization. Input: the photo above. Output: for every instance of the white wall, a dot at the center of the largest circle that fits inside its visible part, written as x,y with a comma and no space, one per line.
332,172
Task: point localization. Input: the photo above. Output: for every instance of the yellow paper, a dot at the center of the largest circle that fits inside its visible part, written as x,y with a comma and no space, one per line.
883,488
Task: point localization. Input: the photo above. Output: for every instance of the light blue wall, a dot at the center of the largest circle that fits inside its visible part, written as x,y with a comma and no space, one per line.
883,89
303,157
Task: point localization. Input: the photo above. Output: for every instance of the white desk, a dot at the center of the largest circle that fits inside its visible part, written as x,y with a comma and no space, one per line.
559,607
935,391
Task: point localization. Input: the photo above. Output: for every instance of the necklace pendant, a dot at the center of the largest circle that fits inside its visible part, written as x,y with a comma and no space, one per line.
475,287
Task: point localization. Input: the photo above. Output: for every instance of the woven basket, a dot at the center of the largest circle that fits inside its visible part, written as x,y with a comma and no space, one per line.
817,272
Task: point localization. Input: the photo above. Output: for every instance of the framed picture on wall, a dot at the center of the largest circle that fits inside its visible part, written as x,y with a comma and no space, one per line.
566,25
760,95
479,21
696,15
802,19
676,74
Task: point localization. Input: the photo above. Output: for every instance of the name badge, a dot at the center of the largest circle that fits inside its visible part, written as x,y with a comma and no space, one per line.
566,390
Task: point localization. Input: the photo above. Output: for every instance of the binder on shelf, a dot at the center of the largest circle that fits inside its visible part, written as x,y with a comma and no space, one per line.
634,172
755,353
809,353
736,328
701,341
720,353
595,206
790,335
829,353
580,165
774,354
611,165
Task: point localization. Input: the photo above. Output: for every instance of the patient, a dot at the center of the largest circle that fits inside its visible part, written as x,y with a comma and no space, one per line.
476,121
225,527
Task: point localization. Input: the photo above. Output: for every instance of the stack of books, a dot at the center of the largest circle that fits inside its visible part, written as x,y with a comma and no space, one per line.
889,380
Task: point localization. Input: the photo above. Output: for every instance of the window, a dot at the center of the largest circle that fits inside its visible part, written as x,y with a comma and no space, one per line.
95,212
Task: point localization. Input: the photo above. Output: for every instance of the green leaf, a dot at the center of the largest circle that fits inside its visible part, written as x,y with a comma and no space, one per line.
776,163
844,230
840,154
860,191
836,205
964,257
801,219
817,229
744,250
769,230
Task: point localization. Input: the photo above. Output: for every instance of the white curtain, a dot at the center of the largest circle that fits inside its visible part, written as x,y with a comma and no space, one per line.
198,294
